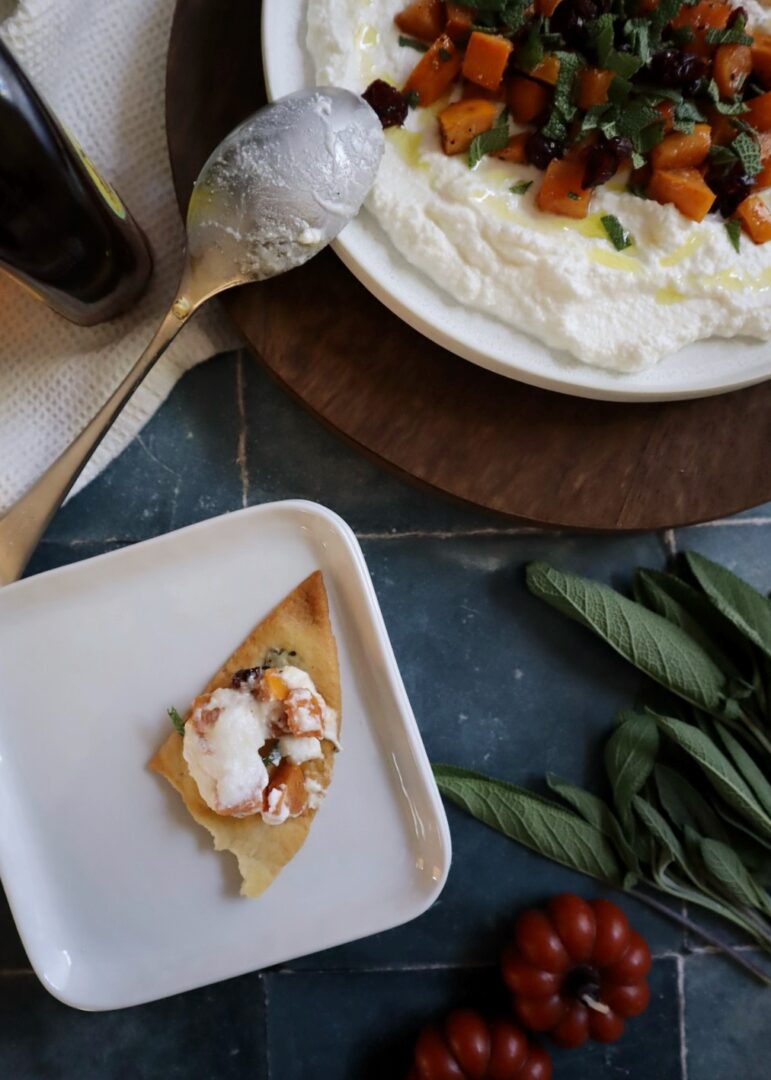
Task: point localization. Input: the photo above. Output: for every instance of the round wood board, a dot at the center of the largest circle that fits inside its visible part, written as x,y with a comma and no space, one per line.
532,454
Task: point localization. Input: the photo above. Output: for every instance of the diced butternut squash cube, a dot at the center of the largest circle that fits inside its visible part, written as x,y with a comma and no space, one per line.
706,15
761,59
561,191
546,7
460,22
679,151
527,100
272,686
684,188
302,714
730,67
547,70
701,17
755,218
435,70
423,19
463,121
593,86
486,58
723,131
759,114
514,150
289,781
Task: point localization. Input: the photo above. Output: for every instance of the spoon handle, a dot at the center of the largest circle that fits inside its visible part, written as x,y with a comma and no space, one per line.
23,525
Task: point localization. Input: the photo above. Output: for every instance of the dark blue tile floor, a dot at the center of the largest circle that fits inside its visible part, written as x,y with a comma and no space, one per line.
497,681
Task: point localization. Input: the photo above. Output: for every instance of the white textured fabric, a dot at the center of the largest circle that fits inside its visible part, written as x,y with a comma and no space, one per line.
100,65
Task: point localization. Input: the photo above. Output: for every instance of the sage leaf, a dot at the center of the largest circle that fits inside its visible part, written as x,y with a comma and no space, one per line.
719,771
747,609
177,721
693,847
538,823
650,588
730,876
661,650
597,813
760,786
737,823
672,885
685,805
630,754
658,827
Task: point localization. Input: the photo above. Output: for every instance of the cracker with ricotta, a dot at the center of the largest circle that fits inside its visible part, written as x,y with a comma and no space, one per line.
299,626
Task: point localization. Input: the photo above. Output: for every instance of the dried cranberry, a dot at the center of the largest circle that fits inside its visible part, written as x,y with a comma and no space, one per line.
246,677
677,70
571,18
540,149
388,102
731,188
603,160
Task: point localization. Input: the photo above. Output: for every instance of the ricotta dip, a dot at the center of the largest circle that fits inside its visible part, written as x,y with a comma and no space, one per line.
556,278
244,746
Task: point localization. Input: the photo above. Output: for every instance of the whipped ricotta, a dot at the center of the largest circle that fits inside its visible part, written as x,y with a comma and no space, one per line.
557,279
228,732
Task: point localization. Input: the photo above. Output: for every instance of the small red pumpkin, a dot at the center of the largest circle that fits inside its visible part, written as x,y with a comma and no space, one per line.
577,970
468,1047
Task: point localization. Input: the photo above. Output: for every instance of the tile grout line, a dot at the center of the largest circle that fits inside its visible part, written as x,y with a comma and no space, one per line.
680,965
668,537
241,455
484,965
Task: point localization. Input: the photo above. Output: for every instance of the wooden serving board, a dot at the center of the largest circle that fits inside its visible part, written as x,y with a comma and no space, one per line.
532,454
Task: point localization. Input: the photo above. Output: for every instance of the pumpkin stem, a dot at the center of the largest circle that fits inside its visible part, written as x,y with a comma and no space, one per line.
592,1003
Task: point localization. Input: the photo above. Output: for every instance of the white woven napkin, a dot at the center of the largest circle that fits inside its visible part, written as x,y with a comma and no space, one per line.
100,65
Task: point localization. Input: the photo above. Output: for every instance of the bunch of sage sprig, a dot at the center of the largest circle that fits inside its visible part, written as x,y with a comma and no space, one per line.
687,768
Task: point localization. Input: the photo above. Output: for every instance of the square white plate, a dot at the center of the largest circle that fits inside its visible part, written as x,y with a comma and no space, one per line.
118,895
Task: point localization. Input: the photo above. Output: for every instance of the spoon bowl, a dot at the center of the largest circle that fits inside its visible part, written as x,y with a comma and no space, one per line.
275,192
281,186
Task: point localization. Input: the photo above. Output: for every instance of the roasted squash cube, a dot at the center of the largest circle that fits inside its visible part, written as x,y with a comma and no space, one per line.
527,100
514,150
561,191
462,121
460,22
423,19
435,70
593,86
486,58
755,217
684,188
759,114
680,151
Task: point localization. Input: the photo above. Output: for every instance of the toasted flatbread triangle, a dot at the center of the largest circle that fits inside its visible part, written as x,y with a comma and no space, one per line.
299,624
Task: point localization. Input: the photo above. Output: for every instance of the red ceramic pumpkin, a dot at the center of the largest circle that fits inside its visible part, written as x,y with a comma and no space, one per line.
577,970
468,1047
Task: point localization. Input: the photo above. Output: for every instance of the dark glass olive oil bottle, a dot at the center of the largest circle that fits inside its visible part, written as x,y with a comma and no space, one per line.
64,232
